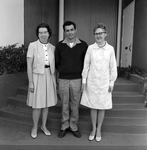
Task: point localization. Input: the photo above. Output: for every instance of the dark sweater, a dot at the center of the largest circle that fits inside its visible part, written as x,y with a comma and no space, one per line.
69,61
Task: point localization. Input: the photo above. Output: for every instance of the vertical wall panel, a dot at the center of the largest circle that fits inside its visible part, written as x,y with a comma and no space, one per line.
83,19
87,13
79,12
37,11
139,57
32,17
105,11
50,13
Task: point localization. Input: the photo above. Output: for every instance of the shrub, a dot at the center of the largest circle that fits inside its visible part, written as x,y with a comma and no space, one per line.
12,59
125,72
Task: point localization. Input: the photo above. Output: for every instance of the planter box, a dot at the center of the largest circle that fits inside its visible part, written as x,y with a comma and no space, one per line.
142,83
9,84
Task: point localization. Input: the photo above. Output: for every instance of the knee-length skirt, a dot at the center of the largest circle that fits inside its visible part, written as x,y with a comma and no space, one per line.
44,94
96,96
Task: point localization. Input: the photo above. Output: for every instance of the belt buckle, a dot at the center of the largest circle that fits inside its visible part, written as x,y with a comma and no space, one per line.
46,66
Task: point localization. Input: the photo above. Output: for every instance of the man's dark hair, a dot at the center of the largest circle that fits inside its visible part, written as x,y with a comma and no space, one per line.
68,23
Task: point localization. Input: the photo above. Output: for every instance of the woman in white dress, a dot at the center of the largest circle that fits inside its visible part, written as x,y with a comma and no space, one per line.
98,77
41,75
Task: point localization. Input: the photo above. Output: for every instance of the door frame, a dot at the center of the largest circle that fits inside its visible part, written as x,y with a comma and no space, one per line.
121,57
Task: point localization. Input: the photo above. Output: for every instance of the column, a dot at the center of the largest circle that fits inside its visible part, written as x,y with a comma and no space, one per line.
119,33
61,19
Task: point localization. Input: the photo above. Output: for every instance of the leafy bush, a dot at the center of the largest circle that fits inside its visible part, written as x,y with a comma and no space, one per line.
125,72
12,59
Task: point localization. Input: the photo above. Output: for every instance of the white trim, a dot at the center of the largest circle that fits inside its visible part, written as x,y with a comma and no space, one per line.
61,19
119,32
23,22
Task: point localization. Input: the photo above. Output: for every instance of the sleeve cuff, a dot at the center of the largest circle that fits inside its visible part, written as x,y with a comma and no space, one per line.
84,80
111,83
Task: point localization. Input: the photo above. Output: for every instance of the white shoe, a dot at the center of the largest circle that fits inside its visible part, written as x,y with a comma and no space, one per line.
98,139
34,136
91,137
48,133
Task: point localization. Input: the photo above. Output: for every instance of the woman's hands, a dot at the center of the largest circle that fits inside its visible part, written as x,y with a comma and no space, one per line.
110,90
31,86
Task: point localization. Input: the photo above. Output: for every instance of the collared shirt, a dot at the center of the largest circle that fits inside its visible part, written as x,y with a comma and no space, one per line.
77,41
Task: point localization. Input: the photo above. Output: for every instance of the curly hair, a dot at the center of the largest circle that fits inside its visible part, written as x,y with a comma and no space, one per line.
44,25
100,25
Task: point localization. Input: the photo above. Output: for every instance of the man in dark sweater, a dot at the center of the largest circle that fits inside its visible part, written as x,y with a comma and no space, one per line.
69,58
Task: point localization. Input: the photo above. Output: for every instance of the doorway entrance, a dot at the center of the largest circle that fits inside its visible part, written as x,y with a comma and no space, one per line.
127,35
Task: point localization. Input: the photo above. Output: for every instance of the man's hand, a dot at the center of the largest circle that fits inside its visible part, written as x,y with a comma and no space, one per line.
83,87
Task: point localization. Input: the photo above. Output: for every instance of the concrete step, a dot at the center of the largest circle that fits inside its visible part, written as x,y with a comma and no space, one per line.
124,127
21,102
54,115
119,87
83,111
132,125
123,85
16,136
126,87
117,98
119,103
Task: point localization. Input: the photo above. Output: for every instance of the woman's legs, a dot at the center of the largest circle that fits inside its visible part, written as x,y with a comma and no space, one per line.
35,116
44,118
93,113
100,119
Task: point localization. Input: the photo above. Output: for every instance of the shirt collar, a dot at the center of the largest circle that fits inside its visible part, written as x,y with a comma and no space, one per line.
105,47
42,45
77,41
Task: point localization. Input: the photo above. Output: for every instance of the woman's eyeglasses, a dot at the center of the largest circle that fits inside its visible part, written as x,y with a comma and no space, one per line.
100,33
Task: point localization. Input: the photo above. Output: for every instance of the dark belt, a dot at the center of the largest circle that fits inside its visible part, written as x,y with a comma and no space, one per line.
46,66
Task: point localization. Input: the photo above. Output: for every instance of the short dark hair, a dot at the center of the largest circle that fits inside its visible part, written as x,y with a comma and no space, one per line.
68,23
44,25
100,25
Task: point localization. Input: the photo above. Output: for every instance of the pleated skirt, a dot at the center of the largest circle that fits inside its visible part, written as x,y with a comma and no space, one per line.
44,94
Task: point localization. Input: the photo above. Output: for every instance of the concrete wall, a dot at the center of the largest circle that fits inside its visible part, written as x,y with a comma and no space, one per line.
139,57
9,84
11,22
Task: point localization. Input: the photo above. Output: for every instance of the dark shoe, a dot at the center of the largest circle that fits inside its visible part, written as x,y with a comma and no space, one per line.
76,133
62,133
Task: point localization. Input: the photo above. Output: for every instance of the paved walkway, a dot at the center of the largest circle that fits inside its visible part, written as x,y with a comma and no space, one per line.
12,134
